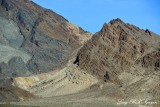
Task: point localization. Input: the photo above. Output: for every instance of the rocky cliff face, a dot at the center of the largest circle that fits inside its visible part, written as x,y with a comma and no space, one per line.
124,55
117,47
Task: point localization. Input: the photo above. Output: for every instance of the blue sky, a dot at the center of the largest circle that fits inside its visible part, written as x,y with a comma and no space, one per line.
92,14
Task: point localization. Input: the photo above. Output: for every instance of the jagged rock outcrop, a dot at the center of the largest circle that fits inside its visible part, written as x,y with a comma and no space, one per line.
116,48
124,55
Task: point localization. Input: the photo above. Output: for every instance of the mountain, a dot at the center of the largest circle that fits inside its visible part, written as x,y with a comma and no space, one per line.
117,48
124,55
34,40
45,57
32,36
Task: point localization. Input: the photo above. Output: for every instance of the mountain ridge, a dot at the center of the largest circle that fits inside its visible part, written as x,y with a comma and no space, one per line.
45,55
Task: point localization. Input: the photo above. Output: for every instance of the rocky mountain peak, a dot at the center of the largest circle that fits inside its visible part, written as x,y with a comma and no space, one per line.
117,20
121,51
119,44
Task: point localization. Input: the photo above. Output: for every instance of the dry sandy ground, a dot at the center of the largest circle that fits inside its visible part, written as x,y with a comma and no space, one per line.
96,96
77,100
73,87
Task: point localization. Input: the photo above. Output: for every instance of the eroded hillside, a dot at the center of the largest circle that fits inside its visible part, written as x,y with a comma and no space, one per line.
35,40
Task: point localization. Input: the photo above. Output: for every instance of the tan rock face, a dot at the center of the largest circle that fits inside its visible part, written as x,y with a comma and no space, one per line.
77,33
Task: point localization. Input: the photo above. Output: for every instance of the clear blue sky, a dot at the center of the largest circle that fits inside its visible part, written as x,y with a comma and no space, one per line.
92,14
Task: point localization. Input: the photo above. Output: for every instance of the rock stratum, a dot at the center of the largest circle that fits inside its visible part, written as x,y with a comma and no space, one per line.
43,55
